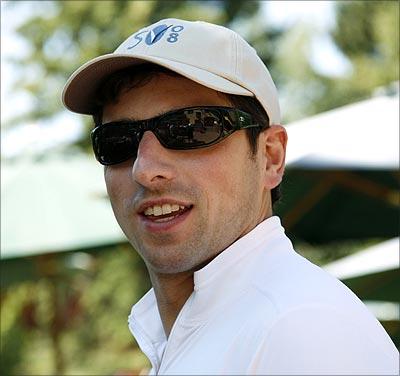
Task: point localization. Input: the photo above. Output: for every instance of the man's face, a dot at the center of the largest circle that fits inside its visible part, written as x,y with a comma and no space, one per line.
221,187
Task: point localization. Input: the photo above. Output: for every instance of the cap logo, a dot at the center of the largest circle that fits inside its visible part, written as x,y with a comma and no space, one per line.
154,35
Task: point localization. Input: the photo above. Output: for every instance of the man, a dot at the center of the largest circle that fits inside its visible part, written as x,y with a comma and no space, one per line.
187,124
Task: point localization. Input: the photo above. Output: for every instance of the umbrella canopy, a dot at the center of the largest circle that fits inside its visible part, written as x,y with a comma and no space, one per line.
363,135
377,259
342,178
54,203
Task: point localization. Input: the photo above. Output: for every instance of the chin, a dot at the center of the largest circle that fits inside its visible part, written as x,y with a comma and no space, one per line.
167,262
174,258
168,268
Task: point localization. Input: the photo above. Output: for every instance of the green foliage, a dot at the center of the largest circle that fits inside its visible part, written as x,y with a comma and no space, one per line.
94,303
360,25
13,342
297,79
66,34
12,339
89,308
368,33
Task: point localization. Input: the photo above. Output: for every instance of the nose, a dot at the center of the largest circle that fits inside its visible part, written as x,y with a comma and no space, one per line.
155,165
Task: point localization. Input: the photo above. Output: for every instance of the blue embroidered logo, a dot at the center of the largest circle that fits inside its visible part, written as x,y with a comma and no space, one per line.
156,34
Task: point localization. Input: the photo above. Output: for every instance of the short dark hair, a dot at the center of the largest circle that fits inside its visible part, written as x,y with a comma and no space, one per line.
134,76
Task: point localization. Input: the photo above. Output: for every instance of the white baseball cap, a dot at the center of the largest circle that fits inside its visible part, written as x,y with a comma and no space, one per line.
209,54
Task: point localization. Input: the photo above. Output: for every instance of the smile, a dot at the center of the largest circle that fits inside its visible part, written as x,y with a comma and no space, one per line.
164,213
158,210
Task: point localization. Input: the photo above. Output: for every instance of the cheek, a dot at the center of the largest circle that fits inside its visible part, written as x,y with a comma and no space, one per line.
118,185
220,182
111,180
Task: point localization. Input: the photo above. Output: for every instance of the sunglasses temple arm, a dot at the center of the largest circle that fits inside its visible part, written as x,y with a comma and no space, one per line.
250,126
243,117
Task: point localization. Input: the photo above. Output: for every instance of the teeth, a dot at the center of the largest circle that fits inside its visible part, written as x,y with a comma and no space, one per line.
166,209
148,211
157,210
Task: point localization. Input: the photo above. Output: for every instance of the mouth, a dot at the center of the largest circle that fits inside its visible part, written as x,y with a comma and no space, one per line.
163,216
165,212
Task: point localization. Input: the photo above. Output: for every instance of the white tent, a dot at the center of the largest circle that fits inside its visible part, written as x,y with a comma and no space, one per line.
362,135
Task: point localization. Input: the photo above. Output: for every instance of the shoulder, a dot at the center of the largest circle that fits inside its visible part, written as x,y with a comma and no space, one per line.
317,322
319,339
311,307
293,282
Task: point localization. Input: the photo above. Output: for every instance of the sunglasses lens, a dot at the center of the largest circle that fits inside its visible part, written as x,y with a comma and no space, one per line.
190,128
114,144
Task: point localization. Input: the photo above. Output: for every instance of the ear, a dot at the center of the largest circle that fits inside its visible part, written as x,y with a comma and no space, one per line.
273,146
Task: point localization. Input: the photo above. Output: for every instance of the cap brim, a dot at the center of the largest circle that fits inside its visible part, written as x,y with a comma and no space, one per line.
80,89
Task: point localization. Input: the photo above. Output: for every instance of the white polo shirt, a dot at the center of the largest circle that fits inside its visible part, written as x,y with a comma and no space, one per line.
261,308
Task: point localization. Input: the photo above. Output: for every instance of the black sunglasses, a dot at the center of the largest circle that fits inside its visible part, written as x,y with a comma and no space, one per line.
187,128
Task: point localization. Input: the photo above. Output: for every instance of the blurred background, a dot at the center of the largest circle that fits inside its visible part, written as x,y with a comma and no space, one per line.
68,277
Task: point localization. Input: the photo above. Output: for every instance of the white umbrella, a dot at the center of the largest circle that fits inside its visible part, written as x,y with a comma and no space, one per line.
379,258
342,172
362,135
54,203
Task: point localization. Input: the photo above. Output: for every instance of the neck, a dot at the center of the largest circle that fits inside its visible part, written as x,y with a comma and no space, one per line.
172,291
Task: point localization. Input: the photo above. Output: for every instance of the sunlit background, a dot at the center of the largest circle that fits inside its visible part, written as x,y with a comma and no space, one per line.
69,279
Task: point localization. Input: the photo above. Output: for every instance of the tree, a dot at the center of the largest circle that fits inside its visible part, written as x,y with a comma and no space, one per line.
66,34
367,33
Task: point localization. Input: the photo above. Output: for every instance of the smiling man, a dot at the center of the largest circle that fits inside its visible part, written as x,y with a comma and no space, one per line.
187,125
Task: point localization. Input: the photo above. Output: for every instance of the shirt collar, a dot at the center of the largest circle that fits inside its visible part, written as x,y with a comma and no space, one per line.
241,248
223,277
